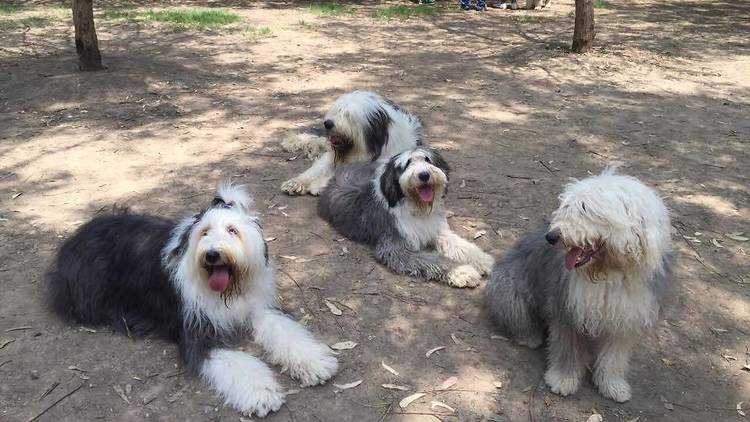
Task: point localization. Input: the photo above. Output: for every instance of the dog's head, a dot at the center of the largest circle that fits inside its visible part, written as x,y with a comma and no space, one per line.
357,126
608,222
418,176
221,248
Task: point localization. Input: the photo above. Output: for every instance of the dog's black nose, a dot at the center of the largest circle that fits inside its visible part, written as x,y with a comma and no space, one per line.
212,257
552,236
424,176
328,124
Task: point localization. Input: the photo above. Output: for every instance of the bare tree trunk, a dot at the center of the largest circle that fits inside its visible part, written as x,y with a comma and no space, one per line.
87,45
583,34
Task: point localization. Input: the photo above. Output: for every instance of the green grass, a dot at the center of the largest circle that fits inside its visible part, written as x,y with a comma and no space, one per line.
120,13
193,18
330,9
30,22
601,4
7,9
406,12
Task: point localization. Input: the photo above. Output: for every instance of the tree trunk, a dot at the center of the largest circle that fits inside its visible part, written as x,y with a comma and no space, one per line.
583,33
87,45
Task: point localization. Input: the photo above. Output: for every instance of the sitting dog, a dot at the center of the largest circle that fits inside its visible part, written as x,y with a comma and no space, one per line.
596,274
396,207
360,126
202,282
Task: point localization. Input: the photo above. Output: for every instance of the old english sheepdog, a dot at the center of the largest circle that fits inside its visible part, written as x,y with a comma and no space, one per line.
594,276
204,282
360,126
396,207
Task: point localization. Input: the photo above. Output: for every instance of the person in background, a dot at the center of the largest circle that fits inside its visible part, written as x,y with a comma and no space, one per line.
481,5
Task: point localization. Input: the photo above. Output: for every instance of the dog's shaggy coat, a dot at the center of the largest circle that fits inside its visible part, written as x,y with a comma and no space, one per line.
203,282
396,207
360,126
601,284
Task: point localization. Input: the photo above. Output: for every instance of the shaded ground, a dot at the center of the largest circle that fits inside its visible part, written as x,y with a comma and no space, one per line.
666,92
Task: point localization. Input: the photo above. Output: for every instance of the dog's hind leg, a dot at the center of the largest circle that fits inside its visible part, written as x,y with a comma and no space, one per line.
290,345
566,365
611,367
512,311
314,179
456,248
431,266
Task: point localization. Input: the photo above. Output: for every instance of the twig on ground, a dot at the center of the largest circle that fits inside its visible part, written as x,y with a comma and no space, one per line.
518,177
49,390
545,166
532,394
386,411
46,409
127,329
25,327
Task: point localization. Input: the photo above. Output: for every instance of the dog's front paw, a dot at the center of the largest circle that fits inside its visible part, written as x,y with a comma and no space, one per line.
318,367
561,383
317,185
295,186
616,389
264,402
484,263
464,276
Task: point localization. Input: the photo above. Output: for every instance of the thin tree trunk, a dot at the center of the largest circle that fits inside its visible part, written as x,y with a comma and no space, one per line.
87,45
583,33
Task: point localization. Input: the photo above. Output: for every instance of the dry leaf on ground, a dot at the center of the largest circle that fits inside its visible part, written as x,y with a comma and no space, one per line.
406,401
431,351
450,382
348,385
395,387
497,384
344,345
479,234
595,418
333,308
388,368
435,403
739,409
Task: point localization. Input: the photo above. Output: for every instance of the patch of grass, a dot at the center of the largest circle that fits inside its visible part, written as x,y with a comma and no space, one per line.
120,13
330,9
193,18
7,9
601,4
406,12
29,22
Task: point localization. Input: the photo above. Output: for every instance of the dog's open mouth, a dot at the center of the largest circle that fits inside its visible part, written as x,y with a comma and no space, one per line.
219,277
338,141
578,257
426,193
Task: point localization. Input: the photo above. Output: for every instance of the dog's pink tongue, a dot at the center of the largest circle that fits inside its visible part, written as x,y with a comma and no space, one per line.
572,258
219,278
426,194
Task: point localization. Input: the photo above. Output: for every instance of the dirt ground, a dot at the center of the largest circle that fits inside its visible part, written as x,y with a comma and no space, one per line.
666,92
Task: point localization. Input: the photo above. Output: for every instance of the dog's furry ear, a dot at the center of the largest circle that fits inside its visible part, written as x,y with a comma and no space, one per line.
230,196
376,131
179,240
389,184
439,162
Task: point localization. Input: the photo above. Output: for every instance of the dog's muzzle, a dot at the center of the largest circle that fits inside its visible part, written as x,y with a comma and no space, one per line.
553,236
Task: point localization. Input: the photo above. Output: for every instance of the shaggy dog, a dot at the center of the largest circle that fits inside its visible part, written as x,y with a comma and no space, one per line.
596,275
396,207
360,126
203,282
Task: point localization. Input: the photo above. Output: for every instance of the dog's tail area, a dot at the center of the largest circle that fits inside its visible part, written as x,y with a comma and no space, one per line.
309,144
230,195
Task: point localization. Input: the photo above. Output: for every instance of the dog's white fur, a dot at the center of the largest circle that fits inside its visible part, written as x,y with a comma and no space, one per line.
245,382
351,113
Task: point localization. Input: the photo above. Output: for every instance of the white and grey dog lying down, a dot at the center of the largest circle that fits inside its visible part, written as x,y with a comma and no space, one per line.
397,208
204,282
360,126
595,276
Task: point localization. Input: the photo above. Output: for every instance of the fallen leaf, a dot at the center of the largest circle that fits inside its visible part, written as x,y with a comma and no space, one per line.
435,403
6,342
450,382
388,368
16,195
292,391
667,362
344,345
527,389
344,251
497,384
479,234
395,387
746,367
121,393
595,418
455,338
727,357
431,351
348,385
462,184
334,310
522,217
667,404
496,337
282,208
719,330
406,401
75,368
635,419
716,243
289,257
739,409
738,236
495,418
269,239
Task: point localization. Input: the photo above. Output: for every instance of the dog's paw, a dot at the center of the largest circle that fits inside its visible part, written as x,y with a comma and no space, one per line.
294,186
464,276
317,186
261,401
561,383
318,367
616,389
484,263
532,341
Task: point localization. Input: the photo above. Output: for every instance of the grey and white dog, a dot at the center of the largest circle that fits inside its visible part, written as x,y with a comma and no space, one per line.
595,276
396,207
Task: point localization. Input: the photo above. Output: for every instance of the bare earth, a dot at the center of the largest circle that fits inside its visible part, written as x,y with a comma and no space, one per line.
666,92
